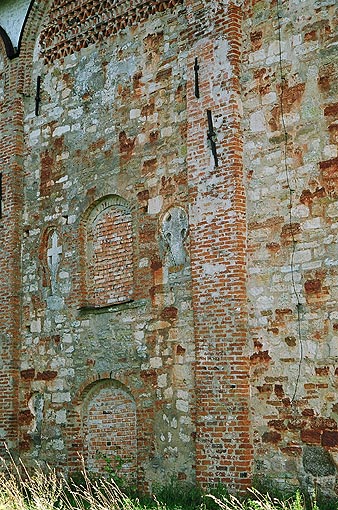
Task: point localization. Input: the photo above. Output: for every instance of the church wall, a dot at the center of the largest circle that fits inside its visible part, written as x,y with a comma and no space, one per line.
110,136
289,92
218,270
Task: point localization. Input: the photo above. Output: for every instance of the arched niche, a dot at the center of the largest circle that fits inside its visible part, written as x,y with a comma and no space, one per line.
109,428
108,252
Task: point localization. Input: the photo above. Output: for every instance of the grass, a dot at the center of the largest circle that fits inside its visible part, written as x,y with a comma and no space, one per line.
259,501
20,490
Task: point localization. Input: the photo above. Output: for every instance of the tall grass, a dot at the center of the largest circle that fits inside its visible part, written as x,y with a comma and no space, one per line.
39,490
258,501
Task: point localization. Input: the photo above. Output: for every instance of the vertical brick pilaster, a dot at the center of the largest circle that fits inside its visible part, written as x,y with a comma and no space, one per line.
218,249
11,153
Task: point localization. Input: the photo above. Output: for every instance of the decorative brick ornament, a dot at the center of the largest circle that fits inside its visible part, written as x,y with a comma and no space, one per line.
75,25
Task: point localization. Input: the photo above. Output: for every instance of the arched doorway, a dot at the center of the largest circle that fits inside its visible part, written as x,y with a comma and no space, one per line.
109,427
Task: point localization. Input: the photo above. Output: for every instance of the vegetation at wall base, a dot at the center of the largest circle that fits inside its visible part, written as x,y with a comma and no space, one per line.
40,490
312,499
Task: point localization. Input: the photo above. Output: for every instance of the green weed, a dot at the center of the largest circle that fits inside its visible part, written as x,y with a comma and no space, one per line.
40,490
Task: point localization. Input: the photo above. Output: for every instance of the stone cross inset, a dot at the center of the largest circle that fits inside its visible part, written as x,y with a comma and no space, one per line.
54,256
175,230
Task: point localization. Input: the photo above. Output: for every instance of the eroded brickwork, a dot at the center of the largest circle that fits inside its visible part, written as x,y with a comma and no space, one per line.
218,248
103,299
11,153
110,435
168,239
109,256
289,80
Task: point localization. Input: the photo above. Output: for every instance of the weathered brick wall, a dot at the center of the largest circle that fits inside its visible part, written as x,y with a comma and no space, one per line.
109,256
112,123
11,153
218,247
289,81
215,320
110,433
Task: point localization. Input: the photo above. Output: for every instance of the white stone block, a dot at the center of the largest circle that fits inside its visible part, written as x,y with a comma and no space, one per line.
182,405
134,114
257,122
36,326
155,204
155,362
61,130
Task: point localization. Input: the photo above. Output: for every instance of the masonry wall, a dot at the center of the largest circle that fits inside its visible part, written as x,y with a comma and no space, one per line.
119,156
213,331
218,246
289,85
105,165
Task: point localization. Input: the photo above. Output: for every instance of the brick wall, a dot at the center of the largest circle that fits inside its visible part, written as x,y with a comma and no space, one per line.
110,257
11,152
218,249
228,344
15,80
110,433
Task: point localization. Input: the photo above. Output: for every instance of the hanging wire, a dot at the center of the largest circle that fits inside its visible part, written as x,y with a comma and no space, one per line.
291,192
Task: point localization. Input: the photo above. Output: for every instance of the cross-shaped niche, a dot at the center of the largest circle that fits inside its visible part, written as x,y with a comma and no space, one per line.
174,231
54,253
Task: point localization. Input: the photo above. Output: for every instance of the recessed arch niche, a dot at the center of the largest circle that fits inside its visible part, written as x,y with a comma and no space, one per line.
109,252
110,429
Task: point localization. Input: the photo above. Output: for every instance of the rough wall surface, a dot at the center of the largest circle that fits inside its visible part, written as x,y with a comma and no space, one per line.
11,151
289,81
168,239
105,161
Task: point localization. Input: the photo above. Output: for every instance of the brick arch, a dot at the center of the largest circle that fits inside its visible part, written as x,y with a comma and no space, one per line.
10,50
7,53
19,72
104,202
29,21
121,378
109,429
4,64
107,252
37,12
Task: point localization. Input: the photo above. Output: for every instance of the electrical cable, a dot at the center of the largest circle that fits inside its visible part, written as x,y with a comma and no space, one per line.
291,191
